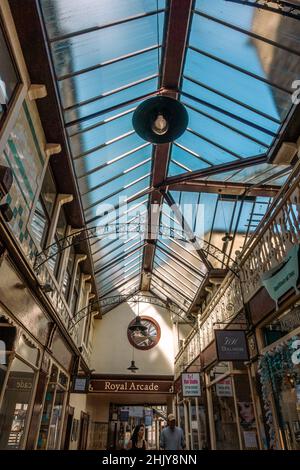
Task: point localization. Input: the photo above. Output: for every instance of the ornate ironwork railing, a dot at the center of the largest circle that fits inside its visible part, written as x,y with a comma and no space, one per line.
277,233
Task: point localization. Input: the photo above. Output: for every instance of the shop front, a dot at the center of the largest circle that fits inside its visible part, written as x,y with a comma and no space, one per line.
116,405
190,409
232,412
279,374
35,368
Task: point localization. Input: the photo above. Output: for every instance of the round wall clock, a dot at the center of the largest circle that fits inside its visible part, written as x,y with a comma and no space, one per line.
146,340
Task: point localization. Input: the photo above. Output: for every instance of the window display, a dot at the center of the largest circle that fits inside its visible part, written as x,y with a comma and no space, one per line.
15,405
279,373
52,417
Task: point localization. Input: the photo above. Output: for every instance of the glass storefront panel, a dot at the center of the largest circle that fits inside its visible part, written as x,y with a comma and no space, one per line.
15,405
53,411
8,75
246,413
279,372
224,415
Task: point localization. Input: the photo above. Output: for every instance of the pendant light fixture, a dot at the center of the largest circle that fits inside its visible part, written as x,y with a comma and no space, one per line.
133,368
160,119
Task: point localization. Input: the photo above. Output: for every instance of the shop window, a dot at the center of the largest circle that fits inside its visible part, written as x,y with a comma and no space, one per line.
7,340
8,76
282,325
60,232
88,323
68,274
28,351
40,223
279,372
53,411
224,415
75,294
43,211
15,405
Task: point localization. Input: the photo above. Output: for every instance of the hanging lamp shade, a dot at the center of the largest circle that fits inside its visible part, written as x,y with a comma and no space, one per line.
137,326
160,119
227,237
132,367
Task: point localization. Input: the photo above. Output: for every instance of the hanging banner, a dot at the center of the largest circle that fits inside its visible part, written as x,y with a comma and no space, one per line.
191,385
283,277
231,345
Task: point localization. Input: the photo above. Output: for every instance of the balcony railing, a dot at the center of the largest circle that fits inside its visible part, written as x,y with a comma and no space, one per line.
276,234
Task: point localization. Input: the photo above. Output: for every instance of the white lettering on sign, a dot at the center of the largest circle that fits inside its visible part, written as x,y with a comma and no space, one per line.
296,355
131,386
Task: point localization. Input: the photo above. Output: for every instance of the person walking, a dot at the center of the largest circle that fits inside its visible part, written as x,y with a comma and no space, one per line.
172,437
137,440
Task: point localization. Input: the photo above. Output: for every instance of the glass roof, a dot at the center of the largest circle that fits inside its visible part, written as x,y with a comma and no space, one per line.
107,59
233,85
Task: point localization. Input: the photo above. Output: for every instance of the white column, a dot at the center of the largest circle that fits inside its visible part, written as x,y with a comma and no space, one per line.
78,259
65,258
61,199
210,410
186,425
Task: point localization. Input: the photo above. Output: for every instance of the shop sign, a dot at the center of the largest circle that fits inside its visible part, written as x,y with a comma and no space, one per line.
231,345
130,386
80,384
191,385
282,278
224,388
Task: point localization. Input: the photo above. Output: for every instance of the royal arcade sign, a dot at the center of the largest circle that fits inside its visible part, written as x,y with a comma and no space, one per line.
283,277
131,386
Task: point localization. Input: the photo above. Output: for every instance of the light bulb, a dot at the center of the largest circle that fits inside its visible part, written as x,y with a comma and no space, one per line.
160,126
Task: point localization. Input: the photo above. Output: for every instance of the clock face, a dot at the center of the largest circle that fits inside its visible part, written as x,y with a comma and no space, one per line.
146,340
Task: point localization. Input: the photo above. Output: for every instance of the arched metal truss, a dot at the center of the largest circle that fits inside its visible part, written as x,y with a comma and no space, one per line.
134,298
100,232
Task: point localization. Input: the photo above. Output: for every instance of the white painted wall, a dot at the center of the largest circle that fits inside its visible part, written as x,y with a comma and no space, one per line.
112,351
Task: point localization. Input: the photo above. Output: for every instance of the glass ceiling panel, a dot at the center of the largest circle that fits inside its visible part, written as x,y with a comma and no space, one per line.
215,215
106,56
94,213
104,190
223,136
238,128
92,161
233,86
171,293
85,86
181,284
121,251
121,287
100,103
263,173
269,25
91,49
235,47
177,265
62,18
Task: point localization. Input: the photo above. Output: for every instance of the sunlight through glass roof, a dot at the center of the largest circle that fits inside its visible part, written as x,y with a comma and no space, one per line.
108,57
